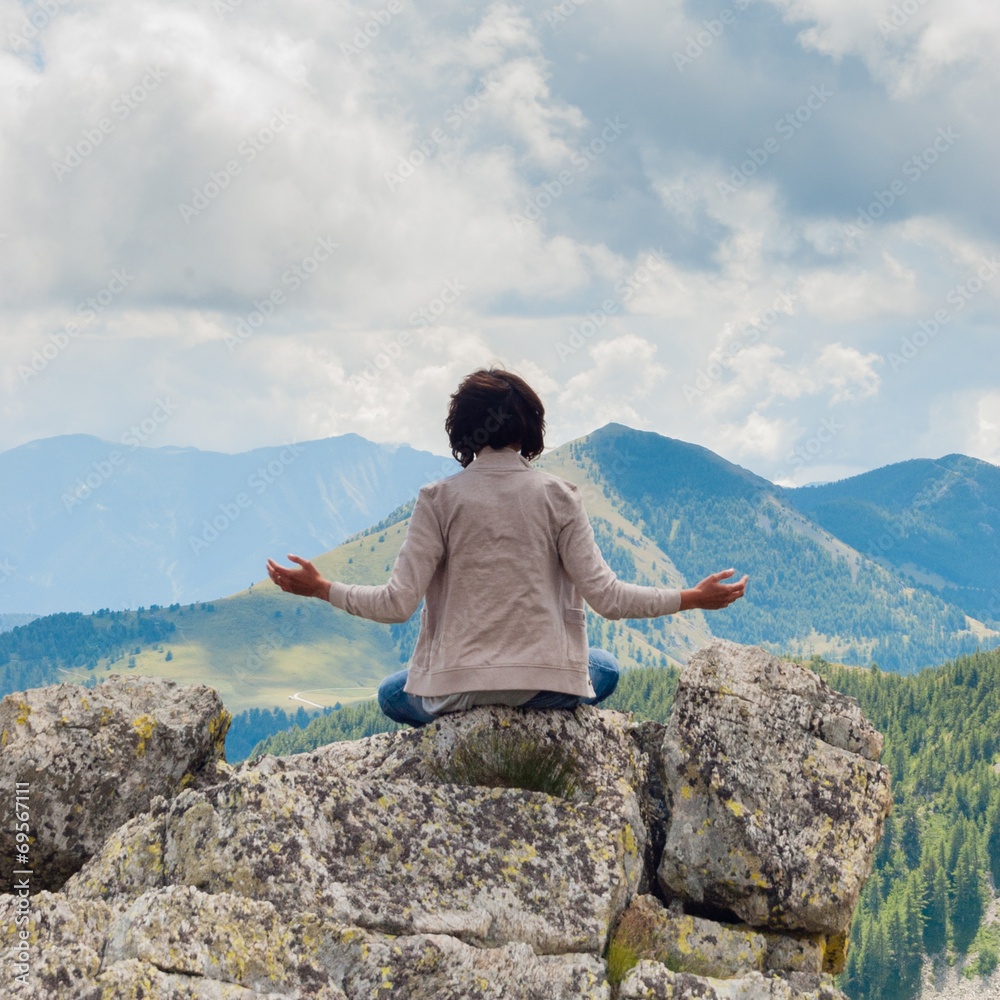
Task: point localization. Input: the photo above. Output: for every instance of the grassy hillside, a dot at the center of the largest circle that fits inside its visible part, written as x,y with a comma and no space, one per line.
257,647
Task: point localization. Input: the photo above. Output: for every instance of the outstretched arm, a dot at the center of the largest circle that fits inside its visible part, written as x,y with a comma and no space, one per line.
394,601
306,582
712,594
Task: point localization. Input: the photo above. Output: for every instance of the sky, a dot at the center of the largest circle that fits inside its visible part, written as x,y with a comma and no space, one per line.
768,227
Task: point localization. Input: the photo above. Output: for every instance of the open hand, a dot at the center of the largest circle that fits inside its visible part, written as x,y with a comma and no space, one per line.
307,581
712,594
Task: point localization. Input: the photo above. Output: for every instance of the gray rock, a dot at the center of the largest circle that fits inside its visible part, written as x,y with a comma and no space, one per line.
777,799
611,769
809,953
363,869
653,981
647,931
93,758
179,942
488,866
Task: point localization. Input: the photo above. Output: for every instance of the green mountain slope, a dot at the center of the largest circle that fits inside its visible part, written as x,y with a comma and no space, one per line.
809,592
937,521
664,512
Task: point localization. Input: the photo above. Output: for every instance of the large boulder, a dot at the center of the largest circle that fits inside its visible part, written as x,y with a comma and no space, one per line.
490,866
363,868
776,796
90,759
610,771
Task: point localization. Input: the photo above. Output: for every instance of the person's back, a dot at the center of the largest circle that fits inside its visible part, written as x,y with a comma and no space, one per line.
504,557
500,610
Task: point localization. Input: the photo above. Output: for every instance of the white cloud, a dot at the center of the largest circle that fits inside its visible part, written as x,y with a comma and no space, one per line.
907,44
985,441
762,297
849,373
624,372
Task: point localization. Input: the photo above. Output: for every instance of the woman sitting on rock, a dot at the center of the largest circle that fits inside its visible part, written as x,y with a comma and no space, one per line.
503,556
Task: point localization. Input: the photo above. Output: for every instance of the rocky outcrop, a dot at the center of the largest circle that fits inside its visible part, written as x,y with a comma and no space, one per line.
777,797
89,759
374,869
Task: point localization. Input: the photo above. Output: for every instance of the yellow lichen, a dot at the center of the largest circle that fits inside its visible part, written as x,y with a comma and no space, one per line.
24,710
144,726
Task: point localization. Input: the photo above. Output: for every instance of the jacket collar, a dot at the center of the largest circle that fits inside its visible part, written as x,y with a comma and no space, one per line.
499,459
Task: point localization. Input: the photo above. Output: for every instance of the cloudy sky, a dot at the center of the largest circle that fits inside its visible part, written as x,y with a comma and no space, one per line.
770,228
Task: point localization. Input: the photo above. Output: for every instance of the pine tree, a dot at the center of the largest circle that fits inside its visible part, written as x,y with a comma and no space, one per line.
993,837
911,958
967,902
935,912
909,839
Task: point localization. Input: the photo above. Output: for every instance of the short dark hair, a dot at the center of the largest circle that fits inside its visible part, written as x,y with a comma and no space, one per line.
496,408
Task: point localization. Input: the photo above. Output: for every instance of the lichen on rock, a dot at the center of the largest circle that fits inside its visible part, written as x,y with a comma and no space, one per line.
94,758
361,869
777,798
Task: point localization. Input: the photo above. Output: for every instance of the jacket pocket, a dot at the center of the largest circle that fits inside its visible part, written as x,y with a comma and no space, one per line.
575,626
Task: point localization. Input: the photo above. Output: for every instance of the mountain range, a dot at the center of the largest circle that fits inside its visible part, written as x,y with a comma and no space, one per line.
665,512
88,524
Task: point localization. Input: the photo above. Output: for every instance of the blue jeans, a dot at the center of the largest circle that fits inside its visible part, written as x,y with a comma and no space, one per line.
409,709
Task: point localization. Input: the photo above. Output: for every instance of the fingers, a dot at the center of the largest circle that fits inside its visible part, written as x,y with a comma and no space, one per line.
723,575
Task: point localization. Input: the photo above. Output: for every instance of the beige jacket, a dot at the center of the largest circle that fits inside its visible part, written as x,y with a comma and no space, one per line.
505,555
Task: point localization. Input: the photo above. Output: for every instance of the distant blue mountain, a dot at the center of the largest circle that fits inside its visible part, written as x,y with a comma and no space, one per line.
87,524
935,520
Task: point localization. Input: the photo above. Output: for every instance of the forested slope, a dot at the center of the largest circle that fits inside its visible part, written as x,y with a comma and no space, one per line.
809,591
